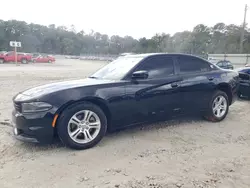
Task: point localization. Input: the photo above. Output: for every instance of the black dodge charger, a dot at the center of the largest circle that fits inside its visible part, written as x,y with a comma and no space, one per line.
131,90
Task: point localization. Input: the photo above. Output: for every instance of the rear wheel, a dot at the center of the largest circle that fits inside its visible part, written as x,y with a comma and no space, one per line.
218,107
24,61
1,61
50,61
82,126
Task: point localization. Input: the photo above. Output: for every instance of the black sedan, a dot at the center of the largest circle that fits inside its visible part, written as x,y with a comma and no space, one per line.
225,64
244,88
131,90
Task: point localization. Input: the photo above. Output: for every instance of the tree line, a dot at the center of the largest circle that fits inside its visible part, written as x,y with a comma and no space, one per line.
220,38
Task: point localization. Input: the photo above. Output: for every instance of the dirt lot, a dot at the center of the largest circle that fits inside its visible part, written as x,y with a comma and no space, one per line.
178,153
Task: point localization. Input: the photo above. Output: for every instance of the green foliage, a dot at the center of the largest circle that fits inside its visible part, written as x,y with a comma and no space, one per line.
220,38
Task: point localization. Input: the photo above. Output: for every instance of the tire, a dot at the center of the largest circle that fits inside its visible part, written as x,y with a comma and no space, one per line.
1,61
49,61
219,114
67,126
24,61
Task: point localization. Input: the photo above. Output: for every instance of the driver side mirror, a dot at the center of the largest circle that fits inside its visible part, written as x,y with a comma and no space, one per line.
140,74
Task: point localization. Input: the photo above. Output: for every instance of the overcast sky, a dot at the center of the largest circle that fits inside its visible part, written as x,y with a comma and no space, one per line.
136,18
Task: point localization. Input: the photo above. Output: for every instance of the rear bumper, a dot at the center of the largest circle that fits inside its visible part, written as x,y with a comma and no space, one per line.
34,128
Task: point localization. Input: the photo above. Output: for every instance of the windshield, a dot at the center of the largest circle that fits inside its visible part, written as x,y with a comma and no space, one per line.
117,69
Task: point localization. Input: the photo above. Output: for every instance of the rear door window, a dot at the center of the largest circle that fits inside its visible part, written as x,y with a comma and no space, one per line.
189,64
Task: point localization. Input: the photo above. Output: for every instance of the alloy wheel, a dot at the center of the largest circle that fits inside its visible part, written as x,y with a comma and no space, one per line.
84,126
219,106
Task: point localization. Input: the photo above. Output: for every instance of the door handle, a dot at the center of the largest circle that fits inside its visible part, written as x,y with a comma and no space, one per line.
211,78
174,85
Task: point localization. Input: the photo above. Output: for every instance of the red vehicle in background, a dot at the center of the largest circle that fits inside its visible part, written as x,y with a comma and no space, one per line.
44,59
10,57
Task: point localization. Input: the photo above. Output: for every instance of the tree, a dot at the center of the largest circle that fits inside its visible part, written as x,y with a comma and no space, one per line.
220,38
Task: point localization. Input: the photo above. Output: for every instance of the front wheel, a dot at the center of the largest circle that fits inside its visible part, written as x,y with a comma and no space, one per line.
218,107
49,61
1,61
82,126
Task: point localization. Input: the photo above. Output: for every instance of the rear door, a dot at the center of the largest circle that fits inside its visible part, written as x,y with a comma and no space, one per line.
158,95
197,83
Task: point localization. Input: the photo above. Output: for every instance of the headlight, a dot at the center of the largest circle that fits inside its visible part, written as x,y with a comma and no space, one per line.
35,107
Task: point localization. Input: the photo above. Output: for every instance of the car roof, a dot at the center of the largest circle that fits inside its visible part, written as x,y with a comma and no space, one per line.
144,55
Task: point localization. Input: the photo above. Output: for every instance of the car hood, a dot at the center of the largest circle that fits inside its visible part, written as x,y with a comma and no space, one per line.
58,86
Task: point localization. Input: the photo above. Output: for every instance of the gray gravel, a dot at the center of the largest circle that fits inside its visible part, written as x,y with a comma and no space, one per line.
178,153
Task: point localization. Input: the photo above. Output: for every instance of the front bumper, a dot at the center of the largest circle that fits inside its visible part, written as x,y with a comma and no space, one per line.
34,128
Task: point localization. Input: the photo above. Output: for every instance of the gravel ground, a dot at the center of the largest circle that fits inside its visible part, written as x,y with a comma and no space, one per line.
175,154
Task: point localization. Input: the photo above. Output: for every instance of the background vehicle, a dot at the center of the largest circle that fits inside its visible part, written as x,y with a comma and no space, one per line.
10,57
44,59
72,57
128,91
245,70
225,64
244,77
213,60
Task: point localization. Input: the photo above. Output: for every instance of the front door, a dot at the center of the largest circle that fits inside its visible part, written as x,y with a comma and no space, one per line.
156,96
